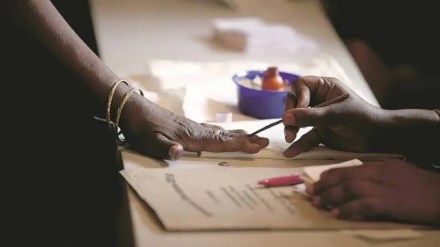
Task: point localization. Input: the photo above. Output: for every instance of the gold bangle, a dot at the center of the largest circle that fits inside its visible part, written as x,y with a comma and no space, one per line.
121,106
109,102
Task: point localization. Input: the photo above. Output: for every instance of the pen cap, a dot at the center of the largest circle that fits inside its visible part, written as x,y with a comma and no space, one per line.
257,102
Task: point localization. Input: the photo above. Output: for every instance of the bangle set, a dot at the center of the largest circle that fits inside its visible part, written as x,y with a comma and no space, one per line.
114,125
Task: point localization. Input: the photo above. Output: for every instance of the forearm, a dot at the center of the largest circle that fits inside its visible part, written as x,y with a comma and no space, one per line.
412,132
41,19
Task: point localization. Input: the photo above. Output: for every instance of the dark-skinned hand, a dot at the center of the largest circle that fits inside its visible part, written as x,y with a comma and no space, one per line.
154,131
391,189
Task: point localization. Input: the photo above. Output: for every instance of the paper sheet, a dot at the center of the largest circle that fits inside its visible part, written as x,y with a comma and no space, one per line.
256,36
219,197
314,172
278,145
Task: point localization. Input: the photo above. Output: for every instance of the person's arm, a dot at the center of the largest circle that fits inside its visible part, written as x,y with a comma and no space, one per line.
42,19
413,132
149,128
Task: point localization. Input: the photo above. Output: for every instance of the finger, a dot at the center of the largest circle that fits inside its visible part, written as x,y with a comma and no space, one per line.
345,191
262,142
318,88
305,143
290,101
311,86
228,141
214,138
302,93
290,133
365,208
242,142
339,175
330,178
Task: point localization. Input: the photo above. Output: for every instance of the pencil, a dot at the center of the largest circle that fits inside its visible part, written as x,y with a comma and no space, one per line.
326,103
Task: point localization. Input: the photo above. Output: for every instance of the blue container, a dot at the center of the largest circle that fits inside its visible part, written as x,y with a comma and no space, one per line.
259,103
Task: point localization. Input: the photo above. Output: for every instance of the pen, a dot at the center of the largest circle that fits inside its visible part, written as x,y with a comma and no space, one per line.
326,103
282,181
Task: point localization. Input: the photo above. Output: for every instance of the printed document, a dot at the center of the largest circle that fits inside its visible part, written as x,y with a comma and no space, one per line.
203,194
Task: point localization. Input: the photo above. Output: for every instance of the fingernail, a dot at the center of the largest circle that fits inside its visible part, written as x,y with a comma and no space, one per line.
175,152
334,212
315,200
254,138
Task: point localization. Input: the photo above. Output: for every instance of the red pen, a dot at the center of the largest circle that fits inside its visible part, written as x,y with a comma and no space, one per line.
281,181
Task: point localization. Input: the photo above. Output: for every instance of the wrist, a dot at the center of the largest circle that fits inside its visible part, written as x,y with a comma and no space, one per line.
115,108
410,132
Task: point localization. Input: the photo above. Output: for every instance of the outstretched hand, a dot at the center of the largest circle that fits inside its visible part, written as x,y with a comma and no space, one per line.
155,131
369,192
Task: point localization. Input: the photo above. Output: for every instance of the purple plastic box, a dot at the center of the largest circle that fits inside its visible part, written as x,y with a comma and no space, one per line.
262,104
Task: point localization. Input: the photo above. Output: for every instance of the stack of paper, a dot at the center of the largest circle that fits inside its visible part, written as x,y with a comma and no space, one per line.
253,35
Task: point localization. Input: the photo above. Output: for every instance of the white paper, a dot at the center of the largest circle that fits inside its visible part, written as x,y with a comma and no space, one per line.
195,194
253,35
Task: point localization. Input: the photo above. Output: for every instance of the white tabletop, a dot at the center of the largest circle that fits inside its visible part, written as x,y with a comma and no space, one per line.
131,33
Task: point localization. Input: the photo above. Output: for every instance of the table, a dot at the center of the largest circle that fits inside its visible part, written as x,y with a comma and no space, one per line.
131,32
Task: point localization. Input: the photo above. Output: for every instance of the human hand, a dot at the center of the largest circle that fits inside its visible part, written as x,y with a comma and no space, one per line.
349,125
154,131
379,190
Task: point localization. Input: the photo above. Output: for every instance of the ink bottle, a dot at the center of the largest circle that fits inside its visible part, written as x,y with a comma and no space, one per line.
272,80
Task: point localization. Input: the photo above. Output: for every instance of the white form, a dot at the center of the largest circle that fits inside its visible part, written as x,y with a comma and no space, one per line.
208,196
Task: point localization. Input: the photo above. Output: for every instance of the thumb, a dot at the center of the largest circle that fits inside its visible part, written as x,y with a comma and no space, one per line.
161,147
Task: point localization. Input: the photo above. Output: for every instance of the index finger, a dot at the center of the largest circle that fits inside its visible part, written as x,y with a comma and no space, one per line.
317,89
291,100
335,176
232,141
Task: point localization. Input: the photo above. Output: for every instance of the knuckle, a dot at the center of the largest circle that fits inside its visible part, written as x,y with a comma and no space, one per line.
372,207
